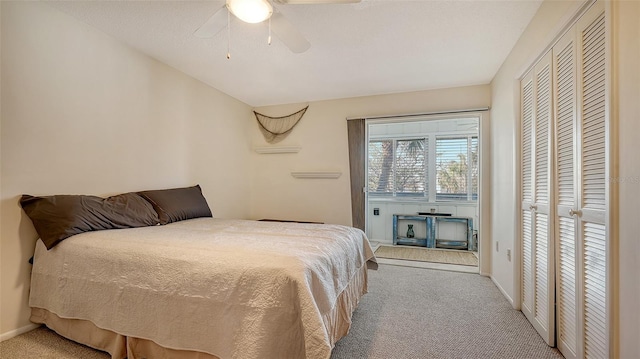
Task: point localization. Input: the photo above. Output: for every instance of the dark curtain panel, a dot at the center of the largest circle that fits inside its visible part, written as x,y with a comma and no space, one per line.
356,133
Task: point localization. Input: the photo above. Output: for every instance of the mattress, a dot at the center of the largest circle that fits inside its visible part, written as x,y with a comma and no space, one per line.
228,288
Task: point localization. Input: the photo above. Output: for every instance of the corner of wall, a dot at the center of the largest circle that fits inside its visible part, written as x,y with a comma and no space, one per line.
504,292
14,333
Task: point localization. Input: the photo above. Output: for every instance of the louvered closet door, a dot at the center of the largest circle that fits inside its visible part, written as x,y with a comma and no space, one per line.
592,154
526,184
564,64
537,246
582,168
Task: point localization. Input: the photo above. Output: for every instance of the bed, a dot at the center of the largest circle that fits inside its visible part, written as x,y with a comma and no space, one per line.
203,288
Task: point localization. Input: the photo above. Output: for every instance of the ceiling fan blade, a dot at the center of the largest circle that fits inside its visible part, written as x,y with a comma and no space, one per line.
288,34
213,25
309,2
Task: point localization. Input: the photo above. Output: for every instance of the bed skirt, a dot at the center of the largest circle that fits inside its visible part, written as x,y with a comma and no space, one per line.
337,322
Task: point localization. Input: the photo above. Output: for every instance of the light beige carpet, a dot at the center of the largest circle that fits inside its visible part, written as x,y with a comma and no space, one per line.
408,313
427,255
43,343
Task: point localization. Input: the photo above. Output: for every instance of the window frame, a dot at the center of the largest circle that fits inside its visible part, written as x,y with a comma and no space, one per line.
430,168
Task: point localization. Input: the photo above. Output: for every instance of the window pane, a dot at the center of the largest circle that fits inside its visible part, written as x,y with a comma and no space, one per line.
380,167
451,169
410,171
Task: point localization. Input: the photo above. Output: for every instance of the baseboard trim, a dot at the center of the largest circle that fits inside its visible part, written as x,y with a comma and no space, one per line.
16,332
506,295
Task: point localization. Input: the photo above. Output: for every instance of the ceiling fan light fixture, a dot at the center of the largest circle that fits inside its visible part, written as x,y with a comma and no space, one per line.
251,11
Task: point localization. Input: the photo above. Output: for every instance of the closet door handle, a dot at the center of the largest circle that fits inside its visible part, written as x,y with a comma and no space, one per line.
533,207
575,212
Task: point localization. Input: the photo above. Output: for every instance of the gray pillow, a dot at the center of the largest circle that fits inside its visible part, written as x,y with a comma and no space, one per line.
58,217
178,204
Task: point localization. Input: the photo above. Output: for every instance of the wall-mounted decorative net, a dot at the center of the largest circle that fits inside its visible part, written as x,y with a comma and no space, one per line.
275,129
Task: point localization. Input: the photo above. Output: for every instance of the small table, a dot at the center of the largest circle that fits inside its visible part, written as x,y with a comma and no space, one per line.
426,241
468,222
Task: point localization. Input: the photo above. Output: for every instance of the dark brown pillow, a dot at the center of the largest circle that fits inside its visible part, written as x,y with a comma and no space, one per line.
178,204
58,217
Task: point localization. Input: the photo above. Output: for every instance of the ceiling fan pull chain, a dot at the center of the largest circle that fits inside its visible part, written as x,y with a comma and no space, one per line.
228,35
269,38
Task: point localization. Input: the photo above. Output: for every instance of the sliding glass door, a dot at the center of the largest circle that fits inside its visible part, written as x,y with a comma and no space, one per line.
418,165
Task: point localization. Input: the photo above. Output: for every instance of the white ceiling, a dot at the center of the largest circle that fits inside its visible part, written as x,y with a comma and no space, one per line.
373,47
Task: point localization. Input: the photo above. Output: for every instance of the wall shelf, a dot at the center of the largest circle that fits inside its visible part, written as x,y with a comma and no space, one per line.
277,149
317,174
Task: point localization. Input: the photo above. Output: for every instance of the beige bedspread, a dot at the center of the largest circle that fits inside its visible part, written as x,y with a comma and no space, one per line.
231,288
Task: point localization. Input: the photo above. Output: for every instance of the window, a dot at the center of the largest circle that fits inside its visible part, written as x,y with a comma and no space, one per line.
457,168
410,167
398,167
434,160
380,167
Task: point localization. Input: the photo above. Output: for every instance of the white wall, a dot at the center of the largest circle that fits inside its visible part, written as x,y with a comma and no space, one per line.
83,113
505,109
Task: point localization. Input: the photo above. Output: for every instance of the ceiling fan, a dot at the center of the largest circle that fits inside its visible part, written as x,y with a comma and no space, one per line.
256,11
